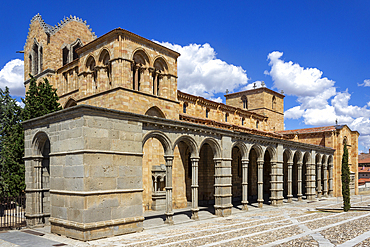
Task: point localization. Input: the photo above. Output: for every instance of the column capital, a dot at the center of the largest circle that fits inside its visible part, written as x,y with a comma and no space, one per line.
168,157
194,159
290,163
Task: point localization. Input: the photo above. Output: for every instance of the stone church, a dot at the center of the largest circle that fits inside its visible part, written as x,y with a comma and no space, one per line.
128,141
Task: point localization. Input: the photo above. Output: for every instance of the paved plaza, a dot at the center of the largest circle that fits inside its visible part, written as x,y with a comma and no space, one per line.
295,224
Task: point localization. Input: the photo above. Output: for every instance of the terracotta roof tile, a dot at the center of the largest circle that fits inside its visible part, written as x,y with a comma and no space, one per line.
364,161
311,130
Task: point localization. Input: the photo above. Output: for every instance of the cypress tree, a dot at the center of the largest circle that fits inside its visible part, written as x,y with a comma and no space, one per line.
345,180
40,100
11,146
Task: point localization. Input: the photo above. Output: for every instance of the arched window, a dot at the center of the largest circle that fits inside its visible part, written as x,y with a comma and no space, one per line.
90,64
245,102
273,105
207,113
65,52
160,68
155,112
140,61
226,116
105,62
257,122
242,121
35,64
184,106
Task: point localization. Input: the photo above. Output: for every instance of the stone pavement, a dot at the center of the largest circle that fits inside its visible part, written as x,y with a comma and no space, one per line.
295,224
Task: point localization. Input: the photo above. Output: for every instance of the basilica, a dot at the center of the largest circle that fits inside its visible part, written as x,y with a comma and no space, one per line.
127,140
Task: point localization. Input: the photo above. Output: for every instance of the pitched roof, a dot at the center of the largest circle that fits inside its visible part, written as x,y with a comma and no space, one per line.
311,130
362,181
364,161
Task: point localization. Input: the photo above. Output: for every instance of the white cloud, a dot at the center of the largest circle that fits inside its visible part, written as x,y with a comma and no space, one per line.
256,84
313,93
218,99
294,79
294,113
365,84
201,73
12,77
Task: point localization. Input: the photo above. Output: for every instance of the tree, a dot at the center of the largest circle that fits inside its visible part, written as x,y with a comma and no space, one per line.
345,180
11,146
40,99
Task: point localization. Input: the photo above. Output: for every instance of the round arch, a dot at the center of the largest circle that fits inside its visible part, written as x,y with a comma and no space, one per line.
103,55
272,152
162,138
70,102
213,144
38,142
139,55
90,62
190,142
155,111
242,147
289,154
160,63
259,151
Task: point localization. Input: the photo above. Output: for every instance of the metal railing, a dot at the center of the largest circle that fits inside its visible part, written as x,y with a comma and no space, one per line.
12,212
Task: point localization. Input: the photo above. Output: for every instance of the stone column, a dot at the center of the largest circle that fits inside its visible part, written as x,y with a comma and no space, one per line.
273,182
245,183
299,165
194,188
169,211
318,178
325,166
310,182
290,176
223,186
278,173
155,83
38,187
331,179
260,183
136,79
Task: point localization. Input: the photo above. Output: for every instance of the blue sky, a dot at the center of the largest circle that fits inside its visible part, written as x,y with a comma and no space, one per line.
317,52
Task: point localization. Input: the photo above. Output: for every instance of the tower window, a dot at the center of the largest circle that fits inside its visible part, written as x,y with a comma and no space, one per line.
245,102
273,103
257,122
242,121
184,106
226,115
207,113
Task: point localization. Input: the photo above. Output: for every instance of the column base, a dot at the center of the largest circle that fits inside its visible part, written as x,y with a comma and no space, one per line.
245,206
290,198
169,219
223,211
325,194
260,203
319,194
194,214
299,198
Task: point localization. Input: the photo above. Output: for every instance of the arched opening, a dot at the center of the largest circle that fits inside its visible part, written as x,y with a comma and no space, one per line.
41,178
154,111
90,65
295,175
245,102
140,62
182,172
273,105
184,107
304,174
286,156
160,69
253,176
154,168
236,167
70,103
206,176
267,177
104,61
